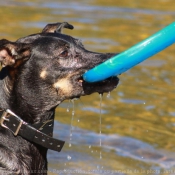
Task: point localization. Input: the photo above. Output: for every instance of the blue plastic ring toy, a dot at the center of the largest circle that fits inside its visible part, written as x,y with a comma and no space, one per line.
133,56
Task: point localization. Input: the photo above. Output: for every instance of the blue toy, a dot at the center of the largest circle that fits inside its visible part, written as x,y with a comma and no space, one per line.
133,56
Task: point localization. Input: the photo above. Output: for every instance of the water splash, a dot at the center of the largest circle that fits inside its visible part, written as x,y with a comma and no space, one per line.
69,157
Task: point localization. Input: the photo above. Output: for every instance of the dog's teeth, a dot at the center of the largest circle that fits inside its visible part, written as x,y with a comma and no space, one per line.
80,82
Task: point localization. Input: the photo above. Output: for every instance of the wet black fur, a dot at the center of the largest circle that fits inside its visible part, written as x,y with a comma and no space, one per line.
31,67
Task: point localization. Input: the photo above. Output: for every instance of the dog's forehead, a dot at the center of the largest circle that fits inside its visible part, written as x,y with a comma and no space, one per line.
53,37
47,46
59,36
47,36
51,43
66,38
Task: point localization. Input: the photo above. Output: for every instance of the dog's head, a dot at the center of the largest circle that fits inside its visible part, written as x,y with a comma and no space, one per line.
47,68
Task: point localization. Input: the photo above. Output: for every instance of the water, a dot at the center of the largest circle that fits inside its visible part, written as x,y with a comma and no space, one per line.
69,157
108,95
100,120
72,119
68,106
138,123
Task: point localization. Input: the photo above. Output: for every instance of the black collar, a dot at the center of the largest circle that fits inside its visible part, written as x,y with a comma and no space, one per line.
38,134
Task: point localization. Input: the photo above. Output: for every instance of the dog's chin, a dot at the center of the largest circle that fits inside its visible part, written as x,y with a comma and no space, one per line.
100,87
83,88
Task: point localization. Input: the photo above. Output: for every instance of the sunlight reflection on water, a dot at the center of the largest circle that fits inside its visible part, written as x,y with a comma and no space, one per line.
138,119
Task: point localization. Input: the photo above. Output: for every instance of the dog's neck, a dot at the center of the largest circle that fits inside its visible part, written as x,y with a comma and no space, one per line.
13,100
5,85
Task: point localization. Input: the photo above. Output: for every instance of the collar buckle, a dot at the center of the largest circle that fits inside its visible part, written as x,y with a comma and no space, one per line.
4,118
17,126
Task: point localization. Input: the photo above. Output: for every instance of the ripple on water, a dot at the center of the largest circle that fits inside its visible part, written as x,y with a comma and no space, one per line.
131,101
96,110
124,146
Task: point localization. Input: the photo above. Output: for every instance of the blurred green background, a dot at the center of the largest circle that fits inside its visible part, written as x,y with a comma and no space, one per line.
138,119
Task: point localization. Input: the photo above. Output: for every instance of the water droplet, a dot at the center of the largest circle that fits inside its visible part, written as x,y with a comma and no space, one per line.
70,144
78,120
92,151
71,125
69,157
100,155
108,95
89,146
100,121
100,95
68,106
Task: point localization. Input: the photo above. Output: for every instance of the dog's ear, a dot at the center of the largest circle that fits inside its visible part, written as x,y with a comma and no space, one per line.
13,54
56,27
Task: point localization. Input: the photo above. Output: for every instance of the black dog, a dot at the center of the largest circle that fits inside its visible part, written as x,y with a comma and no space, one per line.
38,73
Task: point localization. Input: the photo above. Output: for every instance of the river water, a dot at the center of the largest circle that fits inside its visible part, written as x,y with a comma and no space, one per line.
138,118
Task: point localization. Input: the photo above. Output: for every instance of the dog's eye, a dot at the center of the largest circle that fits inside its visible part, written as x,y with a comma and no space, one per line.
64,53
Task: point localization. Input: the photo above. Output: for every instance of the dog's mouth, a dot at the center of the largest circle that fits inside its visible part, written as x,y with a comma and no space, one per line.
100,87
